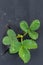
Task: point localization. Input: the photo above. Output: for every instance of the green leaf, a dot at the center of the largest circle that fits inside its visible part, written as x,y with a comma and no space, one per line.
12,35
14,48
6,40
35,25
24,55
30,44
33,35
24,26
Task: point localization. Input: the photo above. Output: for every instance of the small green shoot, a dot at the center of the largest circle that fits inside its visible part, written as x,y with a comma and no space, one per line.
22,47
31,30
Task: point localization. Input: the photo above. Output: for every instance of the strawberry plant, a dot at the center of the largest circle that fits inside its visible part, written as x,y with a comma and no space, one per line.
22,47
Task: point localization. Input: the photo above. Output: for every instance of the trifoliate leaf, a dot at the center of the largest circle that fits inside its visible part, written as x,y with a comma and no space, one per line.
14,48
24,26
33,35
24,55
35,25
6,40
29,44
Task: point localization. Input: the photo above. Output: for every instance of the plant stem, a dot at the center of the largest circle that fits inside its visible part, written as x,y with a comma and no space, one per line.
21,39
25,34
21,36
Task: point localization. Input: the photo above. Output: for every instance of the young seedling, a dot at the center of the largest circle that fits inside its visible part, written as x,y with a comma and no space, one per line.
22,47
